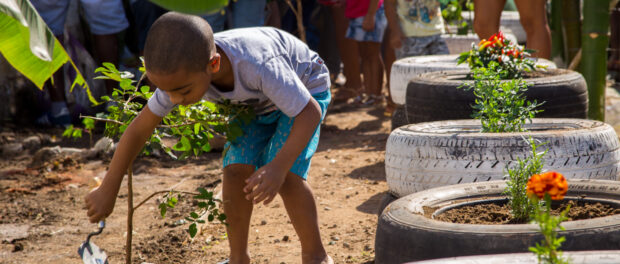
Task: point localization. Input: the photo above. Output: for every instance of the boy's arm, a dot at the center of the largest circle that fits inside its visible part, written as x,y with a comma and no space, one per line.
369,20
269,178
396,33
100,201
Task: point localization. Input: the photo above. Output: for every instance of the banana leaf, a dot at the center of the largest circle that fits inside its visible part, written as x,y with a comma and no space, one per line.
194,7
29,45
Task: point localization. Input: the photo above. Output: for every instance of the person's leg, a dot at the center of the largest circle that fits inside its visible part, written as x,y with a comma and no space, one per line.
389,56
301,208
248,13
533,17
349,52
238,211
372,67
487,15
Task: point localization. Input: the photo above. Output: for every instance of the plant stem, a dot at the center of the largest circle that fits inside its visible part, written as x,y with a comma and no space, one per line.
159,126
130,210
160,192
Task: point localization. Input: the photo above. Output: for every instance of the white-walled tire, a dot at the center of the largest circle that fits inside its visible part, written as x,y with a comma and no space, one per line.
405,69
427,155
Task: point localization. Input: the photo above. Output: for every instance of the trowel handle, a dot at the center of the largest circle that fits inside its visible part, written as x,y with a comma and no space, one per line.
101,227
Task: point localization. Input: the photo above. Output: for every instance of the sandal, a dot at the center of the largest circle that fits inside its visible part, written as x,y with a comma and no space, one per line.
343,95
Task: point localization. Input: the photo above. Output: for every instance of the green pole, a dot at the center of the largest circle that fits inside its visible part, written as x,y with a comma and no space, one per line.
555,23
571,20
594,41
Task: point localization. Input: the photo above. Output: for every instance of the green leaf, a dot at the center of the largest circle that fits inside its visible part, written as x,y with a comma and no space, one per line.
163,208
89,123
196,128
194,215
182,145
68,131
144,89
210,218
194,7
28,44
221,217
77,133
192,230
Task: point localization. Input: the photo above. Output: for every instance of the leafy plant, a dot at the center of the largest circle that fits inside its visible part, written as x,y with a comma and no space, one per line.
511,59
76,132
500,105
452,14
520,206
548,186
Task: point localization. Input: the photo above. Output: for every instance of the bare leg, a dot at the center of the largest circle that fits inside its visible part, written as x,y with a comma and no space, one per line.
238,211
372,66
533,17
348,49
487,15
301,208
389,56
106,47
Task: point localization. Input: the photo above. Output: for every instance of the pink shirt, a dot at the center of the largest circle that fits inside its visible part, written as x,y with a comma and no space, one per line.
358,8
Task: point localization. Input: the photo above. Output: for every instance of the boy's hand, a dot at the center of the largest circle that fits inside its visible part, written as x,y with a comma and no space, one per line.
264,183
369,22
99,203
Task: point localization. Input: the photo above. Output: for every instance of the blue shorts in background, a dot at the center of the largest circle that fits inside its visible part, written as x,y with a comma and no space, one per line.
264,136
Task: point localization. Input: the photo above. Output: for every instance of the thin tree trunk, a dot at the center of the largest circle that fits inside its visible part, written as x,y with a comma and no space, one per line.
594,60
571,20
557,40
129,214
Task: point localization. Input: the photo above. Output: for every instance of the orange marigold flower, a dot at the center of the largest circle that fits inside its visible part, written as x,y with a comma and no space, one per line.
551,182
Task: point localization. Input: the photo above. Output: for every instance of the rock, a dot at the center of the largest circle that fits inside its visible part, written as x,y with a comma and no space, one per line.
50,153
12,149
335,238
32,142
263,222
346,245
12,232
104,146
285,238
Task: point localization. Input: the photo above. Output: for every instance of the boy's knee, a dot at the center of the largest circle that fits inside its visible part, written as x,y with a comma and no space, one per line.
238,171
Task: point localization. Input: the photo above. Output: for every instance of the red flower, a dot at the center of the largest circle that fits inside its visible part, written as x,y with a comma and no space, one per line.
552,183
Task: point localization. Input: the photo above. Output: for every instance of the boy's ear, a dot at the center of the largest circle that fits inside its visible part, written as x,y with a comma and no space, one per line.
214,64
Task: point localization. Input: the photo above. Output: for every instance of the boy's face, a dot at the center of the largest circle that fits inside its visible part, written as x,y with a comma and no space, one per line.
185,87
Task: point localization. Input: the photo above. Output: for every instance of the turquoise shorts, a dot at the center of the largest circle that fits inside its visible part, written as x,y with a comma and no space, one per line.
264,136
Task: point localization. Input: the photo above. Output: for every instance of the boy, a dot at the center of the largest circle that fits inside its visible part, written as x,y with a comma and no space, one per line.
416,27
288,87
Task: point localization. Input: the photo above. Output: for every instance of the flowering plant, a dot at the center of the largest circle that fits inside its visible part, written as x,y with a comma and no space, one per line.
548,186
511,58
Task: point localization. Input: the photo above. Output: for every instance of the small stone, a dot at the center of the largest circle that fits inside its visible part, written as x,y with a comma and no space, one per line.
335,238
285,239
346,245
263,222
327,208
32,142
332,161
367,248
12,149
347,197
332,243
276,241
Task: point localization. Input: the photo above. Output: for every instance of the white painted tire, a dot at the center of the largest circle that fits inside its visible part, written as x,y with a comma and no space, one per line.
576,257
405,69
427,155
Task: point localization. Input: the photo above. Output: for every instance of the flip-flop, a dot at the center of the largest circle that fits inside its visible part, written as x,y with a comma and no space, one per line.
226,261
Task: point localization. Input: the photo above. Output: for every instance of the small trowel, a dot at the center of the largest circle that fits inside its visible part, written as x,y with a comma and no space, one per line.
91,253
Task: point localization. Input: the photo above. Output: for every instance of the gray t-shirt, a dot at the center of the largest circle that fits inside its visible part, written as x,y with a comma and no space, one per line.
273,70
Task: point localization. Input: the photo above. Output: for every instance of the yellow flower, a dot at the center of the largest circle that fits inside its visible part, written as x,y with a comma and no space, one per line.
551,182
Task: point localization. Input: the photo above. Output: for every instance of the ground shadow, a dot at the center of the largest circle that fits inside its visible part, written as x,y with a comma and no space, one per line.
372,205
371,172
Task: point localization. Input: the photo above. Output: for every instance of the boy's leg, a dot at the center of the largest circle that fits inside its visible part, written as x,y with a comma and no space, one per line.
238,210
301,208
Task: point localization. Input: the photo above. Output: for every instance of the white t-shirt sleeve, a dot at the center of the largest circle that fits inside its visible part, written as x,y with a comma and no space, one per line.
280,83
160,103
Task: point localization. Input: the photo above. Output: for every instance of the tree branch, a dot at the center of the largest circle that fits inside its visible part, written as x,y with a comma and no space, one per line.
160,192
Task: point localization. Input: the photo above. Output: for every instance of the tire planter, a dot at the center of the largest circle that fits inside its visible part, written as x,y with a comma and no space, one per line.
461,43
435,96
399,117
405,69
427,155
405,234
576,257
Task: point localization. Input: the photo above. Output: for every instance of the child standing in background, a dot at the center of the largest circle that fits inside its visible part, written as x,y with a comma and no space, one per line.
416,27
367,24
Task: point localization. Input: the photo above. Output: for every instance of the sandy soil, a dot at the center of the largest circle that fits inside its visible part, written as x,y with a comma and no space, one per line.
46,203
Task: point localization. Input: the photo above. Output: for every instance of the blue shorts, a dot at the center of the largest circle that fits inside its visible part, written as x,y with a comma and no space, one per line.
264,136
356,32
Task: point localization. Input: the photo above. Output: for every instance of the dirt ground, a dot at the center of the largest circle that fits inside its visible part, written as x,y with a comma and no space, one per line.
42,218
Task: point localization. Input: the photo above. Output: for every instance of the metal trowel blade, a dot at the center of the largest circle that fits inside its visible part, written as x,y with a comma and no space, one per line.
92,254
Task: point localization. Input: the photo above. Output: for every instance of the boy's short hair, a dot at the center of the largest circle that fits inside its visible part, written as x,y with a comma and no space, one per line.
178,41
